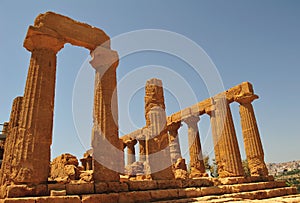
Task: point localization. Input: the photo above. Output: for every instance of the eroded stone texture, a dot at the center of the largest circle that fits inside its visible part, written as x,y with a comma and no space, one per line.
229,163
252,142
64,168
11,139
174,142
157,141
196,158
107,148
142,150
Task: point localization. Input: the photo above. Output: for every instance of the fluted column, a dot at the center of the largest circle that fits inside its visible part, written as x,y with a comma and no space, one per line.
174,142
252,141
230,163
157,138
107,147
11,139
214,131
196,157
31,157
130,151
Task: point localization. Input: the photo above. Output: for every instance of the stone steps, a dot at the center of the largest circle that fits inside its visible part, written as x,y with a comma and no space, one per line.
219,193
252,196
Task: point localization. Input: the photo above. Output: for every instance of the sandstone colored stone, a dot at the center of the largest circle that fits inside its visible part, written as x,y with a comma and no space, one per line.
101,187
63,166
24,190
117,187
168,184
81,188
211,190
86,176
157,141
142,185
100,198
193,192
58,199
58,192
165,194
174,142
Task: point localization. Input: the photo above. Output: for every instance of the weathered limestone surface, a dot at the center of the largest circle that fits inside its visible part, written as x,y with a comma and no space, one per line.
229,163
196,158
174,142
107,148
157,142
64,168
252,142
142,145
11,139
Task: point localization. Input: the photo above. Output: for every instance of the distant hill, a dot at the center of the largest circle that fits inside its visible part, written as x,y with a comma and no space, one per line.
280,168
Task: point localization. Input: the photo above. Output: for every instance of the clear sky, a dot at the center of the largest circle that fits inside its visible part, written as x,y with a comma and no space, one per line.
256,41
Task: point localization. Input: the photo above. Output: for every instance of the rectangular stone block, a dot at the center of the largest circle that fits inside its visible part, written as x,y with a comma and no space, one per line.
61,199
193,192
80,188
18,200
100,198
201,182
56,187
142,185
164,194
168,184
101,187
185,113
24,190
117,187
211,191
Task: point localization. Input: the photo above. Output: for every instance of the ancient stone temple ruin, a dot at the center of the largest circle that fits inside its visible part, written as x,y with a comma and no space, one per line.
161,173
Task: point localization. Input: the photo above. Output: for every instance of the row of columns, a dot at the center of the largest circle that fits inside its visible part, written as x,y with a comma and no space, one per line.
227,153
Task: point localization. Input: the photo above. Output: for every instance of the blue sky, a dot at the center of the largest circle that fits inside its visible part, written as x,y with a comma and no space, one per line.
256,41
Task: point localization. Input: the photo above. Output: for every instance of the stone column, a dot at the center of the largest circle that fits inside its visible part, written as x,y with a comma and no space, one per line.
31,157
252,141
214,132
107,147
229,163
196,158
131,151
11,139
157,140
174,142
142,154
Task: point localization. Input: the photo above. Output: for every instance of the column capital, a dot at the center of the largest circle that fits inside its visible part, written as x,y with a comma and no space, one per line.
174,126
104,58
130,143
192,120
36,39
246,99
210,110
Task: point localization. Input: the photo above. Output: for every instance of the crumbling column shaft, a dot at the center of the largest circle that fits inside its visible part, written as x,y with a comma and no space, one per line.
142,149
130,154
107,148
30,161
196,157
174,142
252,141
229,160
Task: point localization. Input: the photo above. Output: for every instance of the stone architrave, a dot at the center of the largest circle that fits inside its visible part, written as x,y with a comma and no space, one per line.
30,160
229,163
157,140
252,141
107,147
196,157
174,142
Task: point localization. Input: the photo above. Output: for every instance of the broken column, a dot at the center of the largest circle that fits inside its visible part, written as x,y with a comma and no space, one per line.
230,163
107,147
142,150
196,158
252,141
157,140
130,151
174,141
11,139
